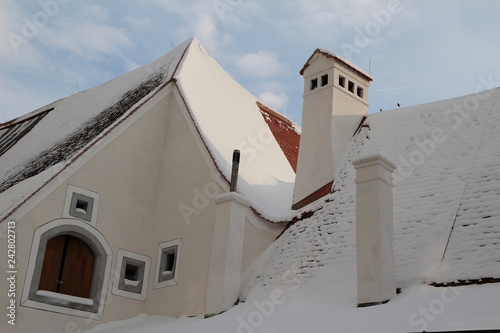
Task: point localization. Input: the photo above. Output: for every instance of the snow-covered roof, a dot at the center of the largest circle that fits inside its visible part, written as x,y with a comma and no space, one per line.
446,199
226,115
228,118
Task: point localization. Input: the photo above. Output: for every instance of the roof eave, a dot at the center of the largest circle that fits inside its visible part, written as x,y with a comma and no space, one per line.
343,61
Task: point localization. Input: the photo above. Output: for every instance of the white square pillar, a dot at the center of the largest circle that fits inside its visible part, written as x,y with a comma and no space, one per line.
374,230
227,252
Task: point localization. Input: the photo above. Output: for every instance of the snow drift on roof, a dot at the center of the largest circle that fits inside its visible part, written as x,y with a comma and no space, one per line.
447,187
228,118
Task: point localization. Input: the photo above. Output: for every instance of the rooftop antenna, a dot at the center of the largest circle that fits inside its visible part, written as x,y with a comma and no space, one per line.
369,66
172,43
77,87
4,120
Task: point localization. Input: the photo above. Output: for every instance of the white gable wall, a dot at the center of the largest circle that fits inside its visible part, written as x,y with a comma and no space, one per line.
125,174
144,176
157,182
186,184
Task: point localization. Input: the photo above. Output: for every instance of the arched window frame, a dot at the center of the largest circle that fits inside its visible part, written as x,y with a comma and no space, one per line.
92,307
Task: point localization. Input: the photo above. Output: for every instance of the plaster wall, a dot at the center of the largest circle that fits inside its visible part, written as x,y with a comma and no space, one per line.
331,114
374,230
138,176
186,184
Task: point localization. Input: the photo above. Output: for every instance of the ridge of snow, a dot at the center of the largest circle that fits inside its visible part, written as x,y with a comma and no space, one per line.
342,59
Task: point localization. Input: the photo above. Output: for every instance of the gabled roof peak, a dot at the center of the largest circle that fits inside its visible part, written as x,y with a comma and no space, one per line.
330,54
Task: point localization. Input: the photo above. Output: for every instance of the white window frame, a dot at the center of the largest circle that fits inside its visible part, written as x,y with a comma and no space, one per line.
92,307
161,247
78,191
119,278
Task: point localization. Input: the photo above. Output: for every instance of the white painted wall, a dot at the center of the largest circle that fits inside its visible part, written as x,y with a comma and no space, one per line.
227,252
374,230
330,116
144,172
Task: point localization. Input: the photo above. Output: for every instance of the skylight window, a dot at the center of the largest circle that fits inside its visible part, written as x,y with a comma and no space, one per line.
13,133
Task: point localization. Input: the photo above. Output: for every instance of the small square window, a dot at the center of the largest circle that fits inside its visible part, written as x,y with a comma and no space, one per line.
314,84
341,81
167,263
351,86
324,80
81,204
167,268
132,274
359,92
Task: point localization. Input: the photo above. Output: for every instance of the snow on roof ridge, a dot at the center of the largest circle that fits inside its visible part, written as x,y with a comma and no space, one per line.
338,57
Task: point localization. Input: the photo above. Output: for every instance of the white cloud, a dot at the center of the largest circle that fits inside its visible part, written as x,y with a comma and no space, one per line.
141,24
201,20
276,101
98,13
87,39
260,64
206,31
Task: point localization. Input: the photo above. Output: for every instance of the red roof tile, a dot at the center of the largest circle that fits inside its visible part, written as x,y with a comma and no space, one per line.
285,133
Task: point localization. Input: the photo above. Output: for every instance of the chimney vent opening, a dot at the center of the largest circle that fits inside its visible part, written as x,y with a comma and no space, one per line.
314,84
324,80
341,81
350,86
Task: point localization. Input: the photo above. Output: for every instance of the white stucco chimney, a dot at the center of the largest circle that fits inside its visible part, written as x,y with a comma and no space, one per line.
335,101
374,230
227,252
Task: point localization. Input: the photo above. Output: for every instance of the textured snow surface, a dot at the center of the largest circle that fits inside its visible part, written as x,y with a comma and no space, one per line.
326,304
447,185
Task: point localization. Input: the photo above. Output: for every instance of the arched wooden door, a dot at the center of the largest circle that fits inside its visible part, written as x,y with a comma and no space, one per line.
68,266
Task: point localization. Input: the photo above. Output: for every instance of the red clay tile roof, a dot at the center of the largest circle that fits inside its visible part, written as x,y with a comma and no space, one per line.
285,133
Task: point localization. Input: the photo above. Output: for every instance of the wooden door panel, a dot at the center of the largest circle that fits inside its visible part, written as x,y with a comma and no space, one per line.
52,264
77,269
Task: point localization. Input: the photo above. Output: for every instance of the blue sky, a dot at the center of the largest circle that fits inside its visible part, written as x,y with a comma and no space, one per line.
420,51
